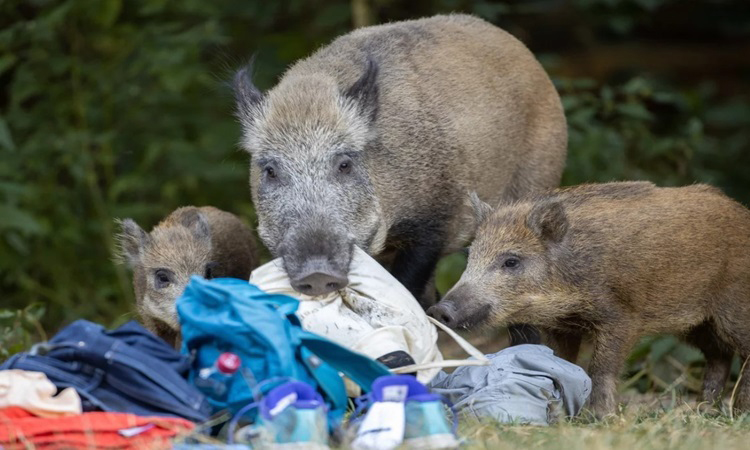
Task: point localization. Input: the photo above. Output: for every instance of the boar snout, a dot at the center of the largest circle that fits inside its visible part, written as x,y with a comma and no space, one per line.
445,313
460,308
317,258
318,277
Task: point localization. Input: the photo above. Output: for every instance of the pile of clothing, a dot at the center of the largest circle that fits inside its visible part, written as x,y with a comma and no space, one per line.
377,316
92,388
279,370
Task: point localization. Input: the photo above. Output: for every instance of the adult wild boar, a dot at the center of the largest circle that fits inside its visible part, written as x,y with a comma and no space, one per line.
201,241
374,140
619,261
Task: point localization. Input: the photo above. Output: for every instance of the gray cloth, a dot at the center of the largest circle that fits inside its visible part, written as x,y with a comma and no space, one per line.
523,384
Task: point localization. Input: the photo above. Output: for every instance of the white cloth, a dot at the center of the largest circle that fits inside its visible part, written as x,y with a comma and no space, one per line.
35,393
374,315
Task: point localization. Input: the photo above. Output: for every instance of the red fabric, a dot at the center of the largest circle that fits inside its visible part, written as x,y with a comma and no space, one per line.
14,412
20,429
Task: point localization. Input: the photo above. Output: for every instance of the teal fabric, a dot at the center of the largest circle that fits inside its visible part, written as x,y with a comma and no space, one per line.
426,419
298,425
232,315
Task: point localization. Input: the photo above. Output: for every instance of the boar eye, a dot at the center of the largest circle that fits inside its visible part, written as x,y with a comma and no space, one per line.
345,166
511,263
162,278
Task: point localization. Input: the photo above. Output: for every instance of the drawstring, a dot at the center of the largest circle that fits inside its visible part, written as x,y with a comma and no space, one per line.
361,402
258,389
454,413
257,396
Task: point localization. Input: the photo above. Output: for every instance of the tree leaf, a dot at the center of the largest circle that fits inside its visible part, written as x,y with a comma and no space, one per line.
6,140
16,219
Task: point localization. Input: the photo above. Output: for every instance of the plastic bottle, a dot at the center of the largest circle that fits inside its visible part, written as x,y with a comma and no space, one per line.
213,380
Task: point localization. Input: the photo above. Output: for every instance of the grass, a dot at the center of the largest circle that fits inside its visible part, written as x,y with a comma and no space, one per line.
667,420
667,416
650,422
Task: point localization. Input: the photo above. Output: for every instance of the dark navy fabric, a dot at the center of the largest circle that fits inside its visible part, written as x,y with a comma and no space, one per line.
124,370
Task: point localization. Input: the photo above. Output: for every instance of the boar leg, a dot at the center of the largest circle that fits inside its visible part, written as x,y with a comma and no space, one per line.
742,402
715,377
611,347
731,325
718,361
565,344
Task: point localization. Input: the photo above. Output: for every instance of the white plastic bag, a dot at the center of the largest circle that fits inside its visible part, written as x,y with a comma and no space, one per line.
374,315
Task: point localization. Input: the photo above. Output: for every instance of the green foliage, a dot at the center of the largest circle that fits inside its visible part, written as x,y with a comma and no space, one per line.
20,328
665,363
120,109
619,16
642,130
449,270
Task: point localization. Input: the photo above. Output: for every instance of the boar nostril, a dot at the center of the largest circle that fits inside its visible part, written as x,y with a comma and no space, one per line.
320,283
442,313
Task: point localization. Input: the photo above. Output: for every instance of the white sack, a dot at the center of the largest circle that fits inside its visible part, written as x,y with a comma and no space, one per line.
374,315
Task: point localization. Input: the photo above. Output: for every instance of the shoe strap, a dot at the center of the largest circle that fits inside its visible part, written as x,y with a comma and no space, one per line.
454,413
233,423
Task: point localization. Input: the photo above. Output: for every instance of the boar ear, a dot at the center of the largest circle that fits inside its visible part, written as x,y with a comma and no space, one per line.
130,240
480,209
548,220
196,222
246,95
365,90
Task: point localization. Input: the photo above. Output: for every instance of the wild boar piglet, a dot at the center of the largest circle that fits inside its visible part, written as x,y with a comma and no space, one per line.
190,241
619,261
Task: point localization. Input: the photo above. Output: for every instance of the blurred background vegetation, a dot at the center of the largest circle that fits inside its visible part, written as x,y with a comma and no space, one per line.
112,108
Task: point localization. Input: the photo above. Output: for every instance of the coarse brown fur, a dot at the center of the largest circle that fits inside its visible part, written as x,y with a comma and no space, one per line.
429,109
618,260
190,241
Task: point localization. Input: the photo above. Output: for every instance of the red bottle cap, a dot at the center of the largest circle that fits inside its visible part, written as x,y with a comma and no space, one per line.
228,363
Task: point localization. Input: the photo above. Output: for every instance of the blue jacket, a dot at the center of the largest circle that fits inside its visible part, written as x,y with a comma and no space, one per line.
124,370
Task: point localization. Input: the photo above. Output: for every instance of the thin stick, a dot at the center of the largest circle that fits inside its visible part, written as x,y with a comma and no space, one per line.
734,389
